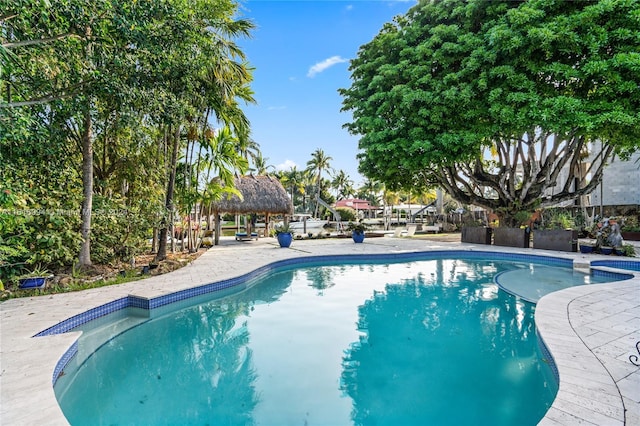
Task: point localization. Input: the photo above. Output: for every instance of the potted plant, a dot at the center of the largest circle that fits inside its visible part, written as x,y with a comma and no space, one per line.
627,250
284,234
37,278
357,231
556,232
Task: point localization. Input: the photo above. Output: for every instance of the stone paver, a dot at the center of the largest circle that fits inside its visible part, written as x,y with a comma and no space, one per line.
590,330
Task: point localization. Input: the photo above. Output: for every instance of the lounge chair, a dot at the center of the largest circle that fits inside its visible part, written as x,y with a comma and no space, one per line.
243,236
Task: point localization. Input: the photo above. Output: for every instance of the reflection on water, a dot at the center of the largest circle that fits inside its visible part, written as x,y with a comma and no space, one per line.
429,342
465,350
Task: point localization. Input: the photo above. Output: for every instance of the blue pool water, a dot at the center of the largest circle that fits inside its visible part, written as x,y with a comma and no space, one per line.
427,342
535,281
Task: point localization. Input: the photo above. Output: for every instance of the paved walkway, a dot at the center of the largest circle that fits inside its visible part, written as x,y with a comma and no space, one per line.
591,331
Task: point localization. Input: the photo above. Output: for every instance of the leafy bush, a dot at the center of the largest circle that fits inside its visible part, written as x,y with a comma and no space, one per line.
557,219
39,219
119,232
347,214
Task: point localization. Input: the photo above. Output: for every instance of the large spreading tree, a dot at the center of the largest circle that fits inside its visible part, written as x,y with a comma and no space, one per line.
509,105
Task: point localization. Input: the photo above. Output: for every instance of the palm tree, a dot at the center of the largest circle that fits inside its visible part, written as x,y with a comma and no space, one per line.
217,86
371,191
342,184
295,181
319,161
249,149
260,164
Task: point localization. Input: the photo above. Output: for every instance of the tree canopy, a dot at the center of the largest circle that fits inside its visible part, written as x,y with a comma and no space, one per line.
498,102
99,102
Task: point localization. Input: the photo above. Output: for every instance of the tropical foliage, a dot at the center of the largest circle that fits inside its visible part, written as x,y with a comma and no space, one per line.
498,102
114,117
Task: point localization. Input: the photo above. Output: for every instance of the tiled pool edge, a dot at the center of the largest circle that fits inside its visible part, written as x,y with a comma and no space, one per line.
22,410
588,391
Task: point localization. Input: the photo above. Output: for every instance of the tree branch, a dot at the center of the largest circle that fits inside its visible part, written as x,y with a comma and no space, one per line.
39,41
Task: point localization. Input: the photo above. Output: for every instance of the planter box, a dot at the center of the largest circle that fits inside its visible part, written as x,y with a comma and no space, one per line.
630,236
606,250
511,237
555,239
476,234
32,282
586,248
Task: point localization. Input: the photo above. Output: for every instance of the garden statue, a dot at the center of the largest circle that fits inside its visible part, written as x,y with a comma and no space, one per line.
615,238
608,233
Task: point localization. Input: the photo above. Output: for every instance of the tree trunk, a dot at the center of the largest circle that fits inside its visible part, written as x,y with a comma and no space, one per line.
84,258
154,240
162,247
217,228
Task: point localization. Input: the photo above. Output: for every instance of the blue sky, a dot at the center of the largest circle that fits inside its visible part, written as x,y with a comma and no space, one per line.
300,51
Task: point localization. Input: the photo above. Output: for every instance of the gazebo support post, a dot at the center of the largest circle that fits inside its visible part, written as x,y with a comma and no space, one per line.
217,228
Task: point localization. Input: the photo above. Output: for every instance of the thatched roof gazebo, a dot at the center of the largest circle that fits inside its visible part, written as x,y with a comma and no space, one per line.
260,194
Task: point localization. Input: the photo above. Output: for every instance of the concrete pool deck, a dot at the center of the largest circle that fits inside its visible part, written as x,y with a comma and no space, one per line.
591,331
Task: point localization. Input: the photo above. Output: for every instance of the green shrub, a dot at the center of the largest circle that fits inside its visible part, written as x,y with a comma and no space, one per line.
347,214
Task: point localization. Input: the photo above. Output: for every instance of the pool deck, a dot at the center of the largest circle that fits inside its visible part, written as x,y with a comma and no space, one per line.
591,331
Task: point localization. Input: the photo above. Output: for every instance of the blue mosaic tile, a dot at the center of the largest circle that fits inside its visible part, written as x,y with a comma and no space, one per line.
630,265
546,354
64,361
615,276
137,302
83,318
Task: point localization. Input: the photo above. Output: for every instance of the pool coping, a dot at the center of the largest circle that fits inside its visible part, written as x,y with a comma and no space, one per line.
596,385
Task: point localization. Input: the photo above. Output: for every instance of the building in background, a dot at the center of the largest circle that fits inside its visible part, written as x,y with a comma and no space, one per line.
620,187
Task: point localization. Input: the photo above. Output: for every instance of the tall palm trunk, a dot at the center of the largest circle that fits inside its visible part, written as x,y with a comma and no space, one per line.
162,246
315,214
84,258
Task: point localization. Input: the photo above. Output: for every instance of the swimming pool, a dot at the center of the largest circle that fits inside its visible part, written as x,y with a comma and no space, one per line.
405,343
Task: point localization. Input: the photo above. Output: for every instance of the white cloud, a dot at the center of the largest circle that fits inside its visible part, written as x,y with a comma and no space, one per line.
287,165
321,66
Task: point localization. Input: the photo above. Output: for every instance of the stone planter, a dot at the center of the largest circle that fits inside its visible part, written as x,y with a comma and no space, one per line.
555,239
606,250
32,282
585,248
630,236
358,237
511,237
476,234
284,239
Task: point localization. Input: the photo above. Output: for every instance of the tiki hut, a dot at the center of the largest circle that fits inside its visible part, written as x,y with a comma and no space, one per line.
260,195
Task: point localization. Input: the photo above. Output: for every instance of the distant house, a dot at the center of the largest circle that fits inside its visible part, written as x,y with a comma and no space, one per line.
355,203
